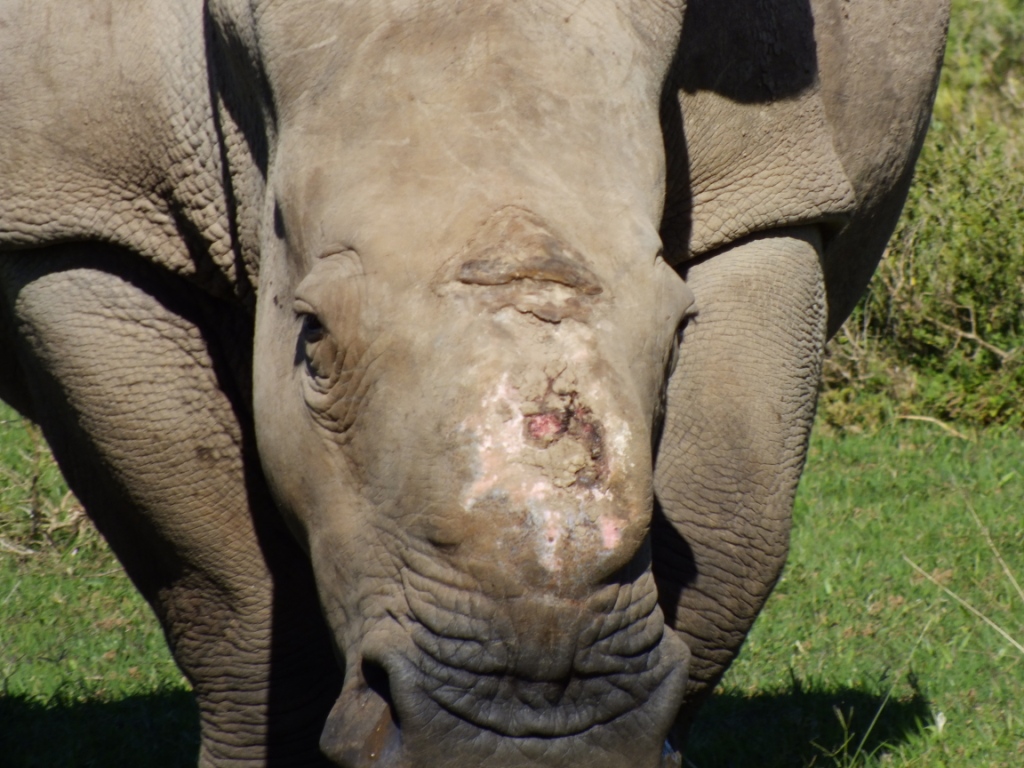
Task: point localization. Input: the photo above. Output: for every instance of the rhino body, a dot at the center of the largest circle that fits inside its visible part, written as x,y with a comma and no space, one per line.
442,372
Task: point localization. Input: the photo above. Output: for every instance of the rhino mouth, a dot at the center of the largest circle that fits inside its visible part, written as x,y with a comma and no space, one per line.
517,707
500,680
551,667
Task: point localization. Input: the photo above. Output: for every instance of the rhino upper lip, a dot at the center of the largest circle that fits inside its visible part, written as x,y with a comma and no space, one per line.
605,663
516,707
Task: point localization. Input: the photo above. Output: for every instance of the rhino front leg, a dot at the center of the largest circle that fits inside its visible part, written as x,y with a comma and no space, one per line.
739,411
130,376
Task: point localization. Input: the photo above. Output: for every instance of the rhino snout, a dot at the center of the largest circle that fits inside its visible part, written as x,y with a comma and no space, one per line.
553,492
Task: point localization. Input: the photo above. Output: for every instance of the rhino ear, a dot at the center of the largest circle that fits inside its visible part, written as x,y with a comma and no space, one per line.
739,409
748,145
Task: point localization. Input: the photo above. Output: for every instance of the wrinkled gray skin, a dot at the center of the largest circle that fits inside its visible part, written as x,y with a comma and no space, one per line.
442,372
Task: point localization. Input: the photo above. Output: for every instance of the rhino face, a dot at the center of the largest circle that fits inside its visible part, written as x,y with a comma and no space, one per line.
464,331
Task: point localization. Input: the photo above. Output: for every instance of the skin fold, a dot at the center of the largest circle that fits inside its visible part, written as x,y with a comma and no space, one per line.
442,373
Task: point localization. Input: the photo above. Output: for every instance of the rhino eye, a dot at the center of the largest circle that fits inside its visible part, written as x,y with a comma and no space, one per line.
317,356
312,329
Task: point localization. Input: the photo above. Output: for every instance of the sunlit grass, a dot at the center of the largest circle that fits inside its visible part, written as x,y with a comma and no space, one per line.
862,659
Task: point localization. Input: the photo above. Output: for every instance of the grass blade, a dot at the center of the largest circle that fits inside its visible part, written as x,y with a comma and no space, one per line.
888,694
995,551
1006,635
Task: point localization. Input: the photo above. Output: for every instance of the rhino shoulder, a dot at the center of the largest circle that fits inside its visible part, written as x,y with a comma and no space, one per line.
109,134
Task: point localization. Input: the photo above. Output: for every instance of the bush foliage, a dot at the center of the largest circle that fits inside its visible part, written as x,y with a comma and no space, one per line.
940,332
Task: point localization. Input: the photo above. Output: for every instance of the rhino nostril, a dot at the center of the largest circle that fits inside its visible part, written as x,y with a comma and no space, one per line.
362,729
378,681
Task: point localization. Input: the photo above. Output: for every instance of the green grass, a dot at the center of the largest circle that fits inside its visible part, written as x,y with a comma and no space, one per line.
857,660
85,677
851,622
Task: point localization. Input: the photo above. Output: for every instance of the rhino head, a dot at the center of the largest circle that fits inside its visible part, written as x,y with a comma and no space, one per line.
465,332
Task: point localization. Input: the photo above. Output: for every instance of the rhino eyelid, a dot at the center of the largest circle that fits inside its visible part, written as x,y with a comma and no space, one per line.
337,250
302,308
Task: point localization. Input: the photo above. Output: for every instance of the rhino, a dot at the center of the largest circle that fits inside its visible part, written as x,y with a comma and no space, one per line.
441,372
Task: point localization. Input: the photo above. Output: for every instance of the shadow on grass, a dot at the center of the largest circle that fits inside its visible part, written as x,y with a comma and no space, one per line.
792,729
801,728
159,730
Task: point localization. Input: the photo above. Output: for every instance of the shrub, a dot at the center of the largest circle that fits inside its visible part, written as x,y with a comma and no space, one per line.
941,330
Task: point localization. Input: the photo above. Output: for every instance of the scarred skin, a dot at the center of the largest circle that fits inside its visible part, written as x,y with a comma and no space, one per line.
442,372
